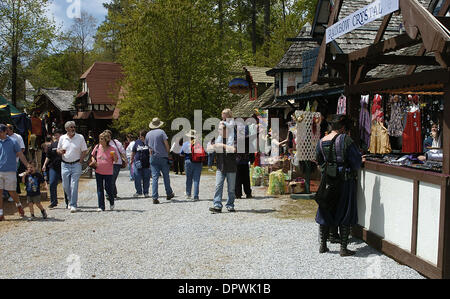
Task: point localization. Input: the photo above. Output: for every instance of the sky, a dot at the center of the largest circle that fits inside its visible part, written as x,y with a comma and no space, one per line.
64,11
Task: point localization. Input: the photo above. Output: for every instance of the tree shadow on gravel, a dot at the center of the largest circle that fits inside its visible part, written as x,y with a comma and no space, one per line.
49,219
263,211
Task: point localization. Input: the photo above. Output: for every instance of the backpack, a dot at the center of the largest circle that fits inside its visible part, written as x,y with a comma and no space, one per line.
198,154
329,191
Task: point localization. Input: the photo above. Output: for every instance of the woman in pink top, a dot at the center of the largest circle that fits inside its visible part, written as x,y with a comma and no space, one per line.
104,157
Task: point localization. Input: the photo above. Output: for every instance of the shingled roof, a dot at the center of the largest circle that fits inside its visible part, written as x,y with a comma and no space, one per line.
103,81
292,59
258,74
245,108
62,99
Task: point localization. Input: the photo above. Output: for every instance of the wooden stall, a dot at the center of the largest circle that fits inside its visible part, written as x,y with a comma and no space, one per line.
402,211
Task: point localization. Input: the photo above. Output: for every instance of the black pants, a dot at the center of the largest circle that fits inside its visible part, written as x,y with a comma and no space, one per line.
178,163
243,179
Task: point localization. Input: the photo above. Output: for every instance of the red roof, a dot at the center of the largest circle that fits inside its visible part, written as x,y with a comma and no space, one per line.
103,81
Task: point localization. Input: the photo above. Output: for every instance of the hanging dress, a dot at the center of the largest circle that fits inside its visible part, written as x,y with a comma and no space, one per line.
379,140
412,135
364,120
395,127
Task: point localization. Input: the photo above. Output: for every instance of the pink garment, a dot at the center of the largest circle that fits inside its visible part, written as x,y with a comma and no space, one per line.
105,163
377,110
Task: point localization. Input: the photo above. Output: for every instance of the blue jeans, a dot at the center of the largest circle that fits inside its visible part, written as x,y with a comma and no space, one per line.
54,178
158,165
70,177
193,172
131,168
142,180
231,182
104,182
116,172
210,159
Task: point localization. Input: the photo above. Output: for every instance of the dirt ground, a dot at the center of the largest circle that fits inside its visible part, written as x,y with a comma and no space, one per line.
10,210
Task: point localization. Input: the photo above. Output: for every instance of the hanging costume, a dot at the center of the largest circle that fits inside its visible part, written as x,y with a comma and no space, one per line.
364,120
379,138
342,105
412,135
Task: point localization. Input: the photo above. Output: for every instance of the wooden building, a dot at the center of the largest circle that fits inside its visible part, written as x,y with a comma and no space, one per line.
101,90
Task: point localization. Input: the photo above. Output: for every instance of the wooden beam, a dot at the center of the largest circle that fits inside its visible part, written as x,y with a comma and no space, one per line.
323,47
362,70
401,60
383,47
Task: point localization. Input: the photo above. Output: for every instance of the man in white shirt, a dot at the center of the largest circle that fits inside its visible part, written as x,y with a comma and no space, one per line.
19,140
73,149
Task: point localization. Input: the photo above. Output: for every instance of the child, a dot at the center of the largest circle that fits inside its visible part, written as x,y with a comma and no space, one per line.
32,181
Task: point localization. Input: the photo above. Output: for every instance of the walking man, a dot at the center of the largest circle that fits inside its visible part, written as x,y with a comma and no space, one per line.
157,141
18,139
226,168
72,147
9,150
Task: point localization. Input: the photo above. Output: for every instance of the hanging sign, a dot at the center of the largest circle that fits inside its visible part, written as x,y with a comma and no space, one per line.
371,12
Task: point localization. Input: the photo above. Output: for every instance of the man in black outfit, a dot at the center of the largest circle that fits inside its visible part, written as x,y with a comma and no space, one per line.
242,160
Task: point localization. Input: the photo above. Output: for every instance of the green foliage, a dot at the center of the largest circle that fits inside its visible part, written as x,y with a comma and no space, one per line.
174,63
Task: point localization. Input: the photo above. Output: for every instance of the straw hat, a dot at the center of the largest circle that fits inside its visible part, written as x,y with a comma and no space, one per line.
192,134
156,123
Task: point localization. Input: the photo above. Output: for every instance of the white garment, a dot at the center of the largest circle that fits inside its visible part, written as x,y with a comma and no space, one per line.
129,149
119,147
74,147
230,125
19,140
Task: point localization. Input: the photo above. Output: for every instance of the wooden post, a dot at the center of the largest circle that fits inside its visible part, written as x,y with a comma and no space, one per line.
445,197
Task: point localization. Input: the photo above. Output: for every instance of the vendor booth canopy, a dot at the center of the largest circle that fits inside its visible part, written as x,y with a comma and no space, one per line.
239,86
12,109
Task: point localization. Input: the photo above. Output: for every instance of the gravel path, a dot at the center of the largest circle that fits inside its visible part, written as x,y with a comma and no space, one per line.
182,239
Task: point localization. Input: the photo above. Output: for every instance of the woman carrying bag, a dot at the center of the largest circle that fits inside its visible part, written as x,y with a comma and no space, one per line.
194,156
102,160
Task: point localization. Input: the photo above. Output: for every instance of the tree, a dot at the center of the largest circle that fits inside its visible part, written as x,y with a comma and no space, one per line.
24,31
81,37
173,62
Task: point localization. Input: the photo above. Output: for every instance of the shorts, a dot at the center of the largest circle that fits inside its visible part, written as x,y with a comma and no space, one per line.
8,181
34,199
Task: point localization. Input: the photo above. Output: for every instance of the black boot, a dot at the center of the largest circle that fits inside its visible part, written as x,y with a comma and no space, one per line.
344,231
334,237
323,232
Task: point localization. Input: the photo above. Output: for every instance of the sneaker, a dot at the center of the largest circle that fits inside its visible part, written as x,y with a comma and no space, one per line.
169,197
52,206
99,210
196,198
73,209
249,196
211,170
10,199
215,210
44,214
231,209
137,195
188,197
155,201
146,196
31,218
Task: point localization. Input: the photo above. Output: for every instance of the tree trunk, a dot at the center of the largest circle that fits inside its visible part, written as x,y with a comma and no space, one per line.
254,27
14,60
267,28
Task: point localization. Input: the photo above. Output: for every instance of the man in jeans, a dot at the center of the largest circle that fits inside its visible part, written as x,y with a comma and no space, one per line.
9,150
226,168
72,147
157,141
